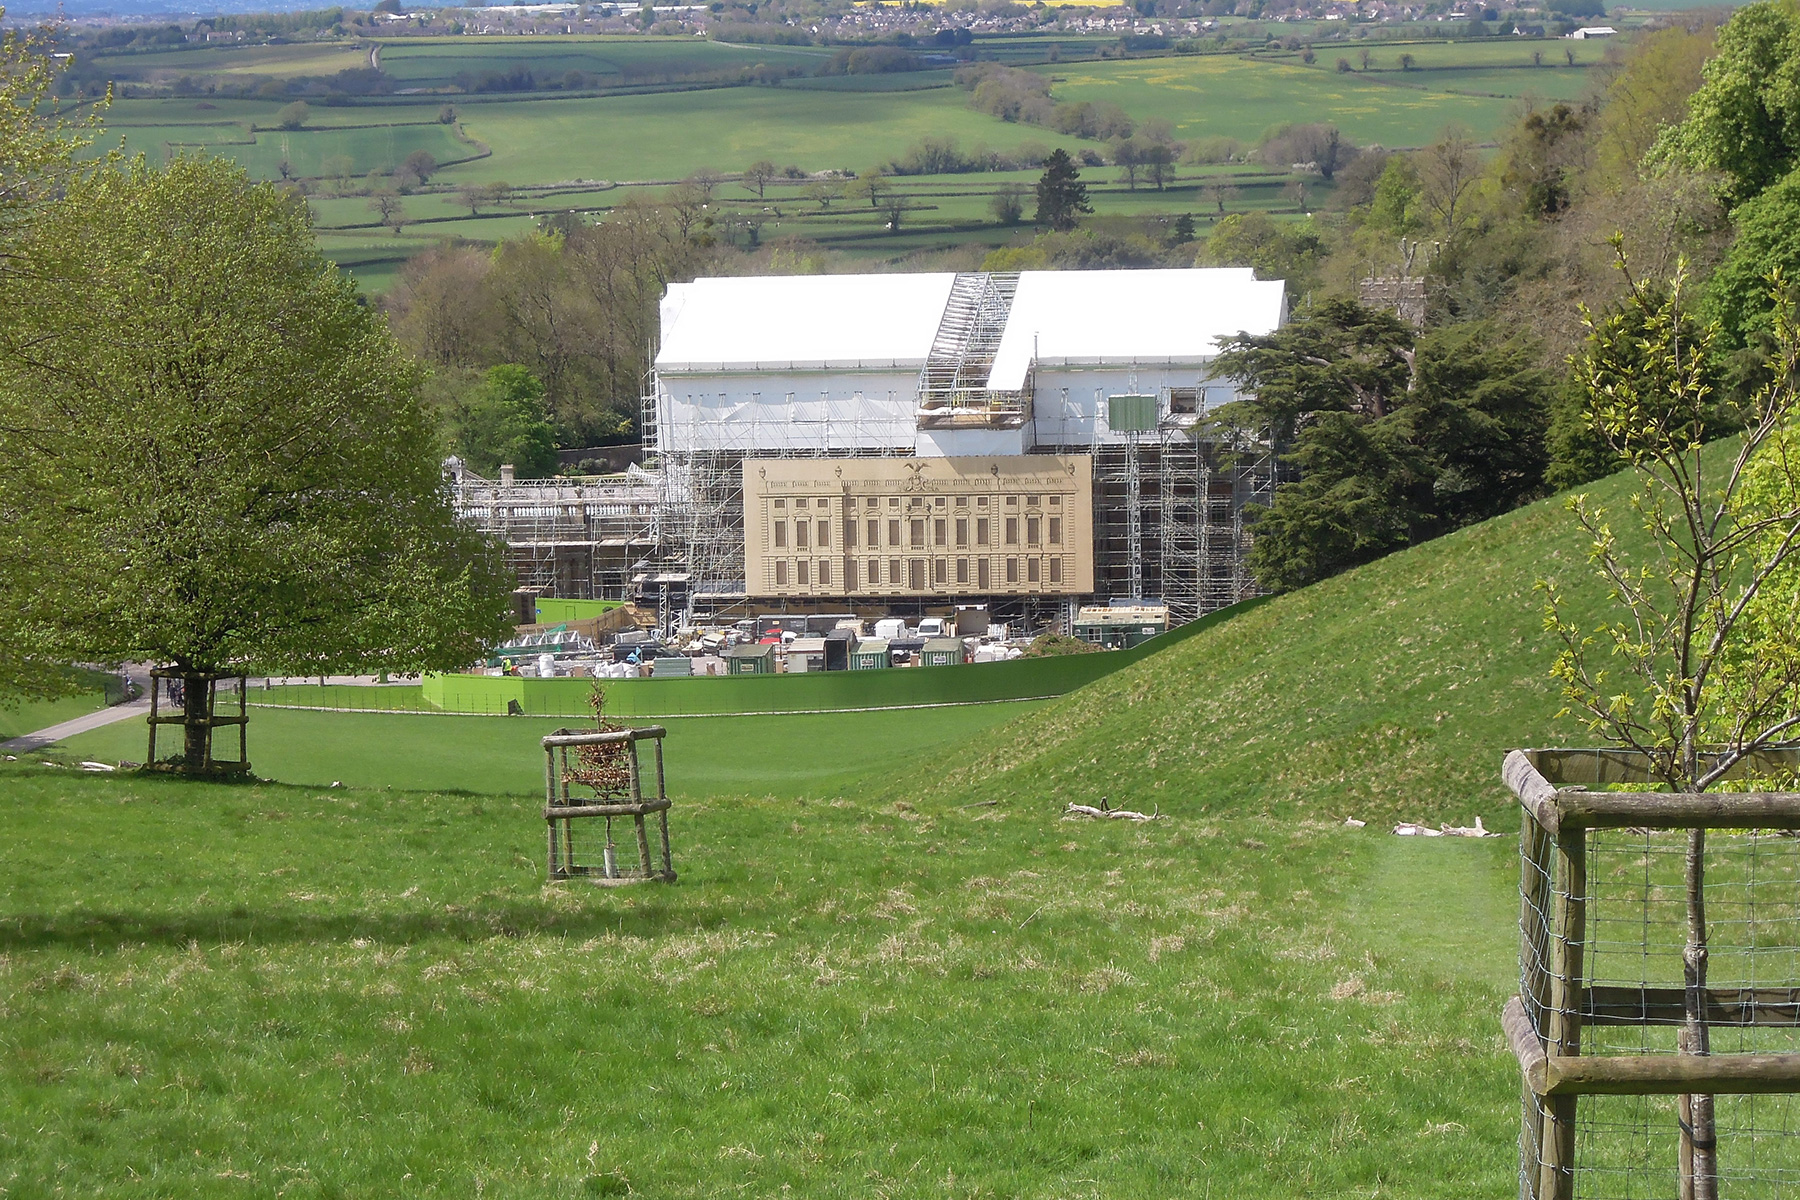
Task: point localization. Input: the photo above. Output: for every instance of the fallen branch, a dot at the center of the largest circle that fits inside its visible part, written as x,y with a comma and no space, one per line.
1414,829
1080,811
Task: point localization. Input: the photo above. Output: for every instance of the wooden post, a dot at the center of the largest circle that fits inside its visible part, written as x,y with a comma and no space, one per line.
637,783
661,790
1537,853
155,686
1556,1155
643,841
550,799
663,816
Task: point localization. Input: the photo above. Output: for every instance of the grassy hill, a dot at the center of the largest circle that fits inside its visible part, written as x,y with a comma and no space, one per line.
1390,691
861,985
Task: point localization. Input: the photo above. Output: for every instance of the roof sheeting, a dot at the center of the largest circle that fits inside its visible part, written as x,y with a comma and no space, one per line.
1058,318
1082,318
807,322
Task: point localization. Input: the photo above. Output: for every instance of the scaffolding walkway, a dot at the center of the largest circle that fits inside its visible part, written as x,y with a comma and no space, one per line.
953,384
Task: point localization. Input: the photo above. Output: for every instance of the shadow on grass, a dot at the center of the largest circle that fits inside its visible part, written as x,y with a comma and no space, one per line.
98,932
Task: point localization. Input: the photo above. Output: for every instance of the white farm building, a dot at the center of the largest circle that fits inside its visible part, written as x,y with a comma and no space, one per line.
1032,441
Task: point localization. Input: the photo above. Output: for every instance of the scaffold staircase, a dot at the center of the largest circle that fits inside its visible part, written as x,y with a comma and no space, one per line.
953,384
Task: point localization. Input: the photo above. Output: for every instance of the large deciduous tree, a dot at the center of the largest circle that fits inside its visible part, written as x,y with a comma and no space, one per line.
221,456
38,157
1744,122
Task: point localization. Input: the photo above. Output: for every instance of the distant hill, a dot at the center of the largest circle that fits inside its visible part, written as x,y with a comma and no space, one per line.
1389,692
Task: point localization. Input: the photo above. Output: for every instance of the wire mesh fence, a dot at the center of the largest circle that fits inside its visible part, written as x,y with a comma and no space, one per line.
1658,1020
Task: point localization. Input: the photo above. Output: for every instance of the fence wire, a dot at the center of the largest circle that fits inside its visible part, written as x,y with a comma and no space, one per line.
1631,999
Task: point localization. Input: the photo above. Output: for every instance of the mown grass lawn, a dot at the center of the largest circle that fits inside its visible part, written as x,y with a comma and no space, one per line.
341,992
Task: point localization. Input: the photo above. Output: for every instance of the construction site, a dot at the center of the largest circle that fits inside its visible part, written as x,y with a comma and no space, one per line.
1032,442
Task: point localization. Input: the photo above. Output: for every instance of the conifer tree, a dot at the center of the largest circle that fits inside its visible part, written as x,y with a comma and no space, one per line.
1061,196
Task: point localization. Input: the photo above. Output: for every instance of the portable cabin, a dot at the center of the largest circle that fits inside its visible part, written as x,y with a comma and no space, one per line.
750,660
870,654
838,644
942,652
1121,626
806,654
678,666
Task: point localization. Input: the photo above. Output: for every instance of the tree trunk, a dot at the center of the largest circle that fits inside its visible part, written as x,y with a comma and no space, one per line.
196,728
1699,1174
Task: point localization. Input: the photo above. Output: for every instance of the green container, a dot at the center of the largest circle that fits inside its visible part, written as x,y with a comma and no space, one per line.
1131,414
750,660
871,654
942,652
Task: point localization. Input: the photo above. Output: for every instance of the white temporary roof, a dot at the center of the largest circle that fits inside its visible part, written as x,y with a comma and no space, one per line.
1058,318
1097,318
804,322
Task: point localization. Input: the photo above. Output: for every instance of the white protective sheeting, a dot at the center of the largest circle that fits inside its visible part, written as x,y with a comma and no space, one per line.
1118,318
801,322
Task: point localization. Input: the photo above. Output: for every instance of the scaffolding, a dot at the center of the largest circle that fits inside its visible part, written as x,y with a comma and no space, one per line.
1169,517
953,383
578,538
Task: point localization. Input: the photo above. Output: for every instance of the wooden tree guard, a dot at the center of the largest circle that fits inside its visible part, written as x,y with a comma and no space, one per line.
214,720
1544,1022
606,761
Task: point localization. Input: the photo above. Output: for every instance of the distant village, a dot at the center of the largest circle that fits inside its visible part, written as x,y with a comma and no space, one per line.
1151,24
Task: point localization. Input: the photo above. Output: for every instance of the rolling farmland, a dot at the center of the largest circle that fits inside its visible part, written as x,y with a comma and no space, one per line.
608,117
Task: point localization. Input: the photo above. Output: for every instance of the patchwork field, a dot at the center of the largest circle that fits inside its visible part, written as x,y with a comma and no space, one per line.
563,149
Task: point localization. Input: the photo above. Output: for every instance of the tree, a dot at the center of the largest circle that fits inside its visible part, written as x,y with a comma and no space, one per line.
42,158
1395,442
1703,630
1448,170
758,174
503,420
1061,196
821,192
1744,122
1290,250
386,204
227,447
421,165
1125,157
1008,204
1768,238
1220,191
870,186
1158,159
1407,61
293,116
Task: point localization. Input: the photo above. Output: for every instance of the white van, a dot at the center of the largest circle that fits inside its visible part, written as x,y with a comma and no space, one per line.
931,627
890,629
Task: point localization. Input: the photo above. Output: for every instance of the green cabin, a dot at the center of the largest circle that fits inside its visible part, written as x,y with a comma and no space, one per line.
942,652
871,654
750,660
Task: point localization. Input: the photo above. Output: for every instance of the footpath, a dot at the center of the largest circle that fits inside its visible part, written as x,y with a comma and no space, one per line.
27,742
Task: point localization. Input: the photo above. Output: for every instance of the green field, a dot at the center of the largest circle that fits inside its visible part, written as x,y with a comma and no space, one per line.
564,150
1232,97
889,968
